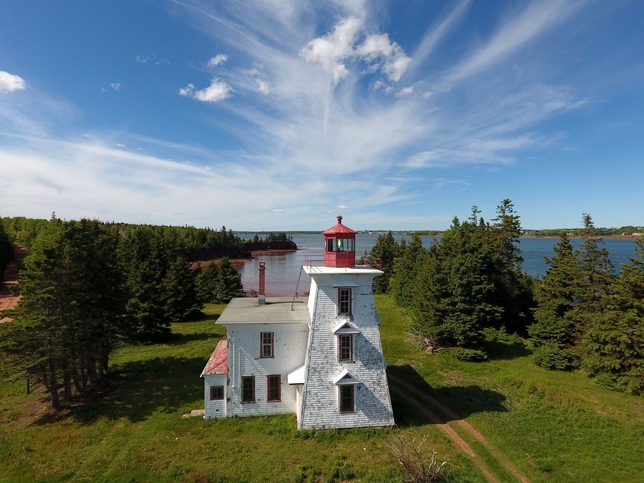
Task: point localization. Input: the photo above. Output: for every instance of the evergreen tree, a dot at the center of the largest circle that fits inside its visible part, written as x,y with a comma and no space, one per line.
6,250
554,330
454,288
557,295
68,318
513,289
615,341
386,250
597,278
405,271
143,256
181,299
206,281
229,283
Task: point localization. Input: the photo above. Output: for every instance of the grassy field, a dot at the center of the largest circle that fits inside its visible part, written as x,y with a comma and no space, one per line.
553,426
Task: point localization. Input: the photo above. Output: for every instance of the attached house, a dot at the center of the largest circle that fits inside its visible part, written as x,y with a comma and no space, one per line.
319,357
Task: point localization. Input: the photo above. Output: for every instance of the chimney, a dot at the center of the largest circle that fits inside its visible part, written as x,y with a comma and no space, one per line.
261,293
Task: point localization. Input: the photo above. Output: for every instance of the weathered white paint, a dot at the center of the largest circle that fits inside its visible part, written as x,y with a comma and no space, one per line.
320,408
244,353
309,340
216,408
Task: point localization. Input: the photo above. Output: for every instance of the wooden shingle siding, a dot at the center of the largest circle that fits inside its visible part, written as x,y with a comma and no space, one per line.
372,402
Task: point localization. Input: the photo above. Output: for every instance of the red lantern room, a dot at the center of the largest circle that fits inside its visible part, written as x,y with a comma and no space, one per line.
340,246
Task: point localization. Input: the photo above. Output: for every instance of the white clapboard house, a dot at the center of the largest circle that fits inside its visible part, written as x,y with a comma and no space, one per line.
320,358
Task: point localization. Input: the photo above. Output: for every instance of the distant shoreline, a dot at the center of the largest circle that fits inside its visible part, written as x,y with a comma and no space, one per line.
581,237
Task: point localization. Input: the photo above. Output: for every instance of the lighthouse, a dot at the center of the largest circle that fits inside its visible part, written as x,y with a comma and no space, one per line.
344,375
320,358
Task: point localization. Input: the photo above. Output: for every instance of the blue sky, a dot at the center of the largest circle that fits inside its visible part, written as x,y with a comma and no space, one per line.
280,114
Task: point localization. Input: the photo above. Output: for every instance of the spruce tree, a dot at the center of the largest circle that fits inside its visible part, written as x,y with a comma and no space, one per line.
405,271
615,341
206,281
181,299
597,278
454,290
6,249
386,249
512,289
557,295
229,283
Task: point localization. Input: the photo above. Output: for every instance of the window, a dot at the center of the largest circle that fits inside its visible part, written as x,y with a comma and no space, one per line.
273,389
329,245
266,340
345,347
344,301
248,389
347,398
216,392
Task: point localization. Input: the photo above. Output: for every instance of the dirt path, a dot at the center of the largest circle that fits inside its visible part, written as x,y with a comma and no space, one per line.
426,404
7,299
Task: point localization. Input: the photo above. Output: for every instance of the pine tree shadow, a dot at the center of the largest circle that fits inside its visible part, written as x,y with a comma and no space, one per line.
409,391
497,350
137,390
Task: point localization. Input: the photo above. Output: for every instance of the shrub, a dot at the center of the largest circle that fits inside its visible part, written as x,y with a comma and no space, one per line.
411,455
469,355
552,357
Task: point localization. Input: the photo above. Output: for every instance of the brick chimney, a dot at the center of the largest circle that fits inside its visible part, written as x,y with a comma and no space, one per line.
261,293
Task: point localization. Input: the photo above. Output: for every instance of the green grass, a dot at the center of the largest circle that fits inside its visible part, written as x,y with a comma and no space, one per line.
554,426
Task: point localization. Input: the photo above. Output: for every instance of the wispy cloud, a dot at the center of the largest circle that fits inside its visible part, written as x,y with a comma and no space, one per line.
320,120
116,86
516,31
217,60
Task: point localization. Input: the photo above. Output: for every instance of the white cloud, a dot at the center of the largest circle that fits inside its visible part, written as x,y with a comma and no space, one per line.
342,207
405,91
278,210
116,86
11,82
263,87
218,59
333,49
217,91
341,45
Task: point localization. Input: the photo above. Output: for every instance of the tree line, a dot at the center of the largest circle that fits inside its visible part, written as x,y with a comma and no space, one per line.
87,286
581,315
193,243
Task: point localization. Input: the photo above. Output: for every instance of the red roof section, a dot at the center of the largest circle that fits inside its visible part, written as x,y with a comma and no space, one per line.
339,229
218,362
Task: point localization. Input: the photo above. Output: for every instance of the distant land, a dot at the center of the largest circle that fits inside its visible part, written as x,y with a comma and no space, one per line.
621,232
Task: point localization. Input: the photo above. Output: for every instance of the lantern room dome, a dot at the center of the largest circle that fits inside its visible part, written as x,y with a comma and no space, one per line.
339,229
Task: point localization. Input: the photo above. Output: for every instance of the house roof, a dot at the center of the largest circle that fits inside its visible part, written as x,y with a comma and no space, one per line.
218,362
339,229
276,310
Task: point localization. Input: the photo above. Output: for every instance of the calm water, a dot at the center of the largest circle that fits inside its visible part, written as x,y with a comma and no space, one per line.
282,270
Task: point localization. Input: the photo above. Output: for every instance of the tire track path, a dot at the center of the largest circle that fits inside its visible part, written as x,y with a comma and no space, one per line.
427,406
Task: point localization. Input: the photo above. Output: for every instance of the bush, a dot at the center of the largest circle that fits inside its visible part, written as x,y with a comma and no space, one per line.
552,357
469,355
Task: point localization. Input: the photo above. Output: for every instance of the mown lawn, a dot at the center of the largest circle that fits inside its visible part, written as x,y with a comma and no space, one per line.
554,426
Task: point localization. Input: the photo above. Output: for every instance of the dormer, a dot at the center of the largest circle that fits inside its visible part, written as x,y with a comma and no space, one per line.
340,246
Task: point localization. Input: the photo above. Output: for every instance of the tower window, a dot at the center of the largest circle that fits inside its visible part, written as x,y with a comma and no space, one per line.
344,301
345,347
347,398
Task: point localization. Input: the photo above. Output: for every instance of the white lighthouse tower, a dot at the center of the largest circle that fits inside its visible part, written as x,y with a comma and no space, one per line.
344,380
